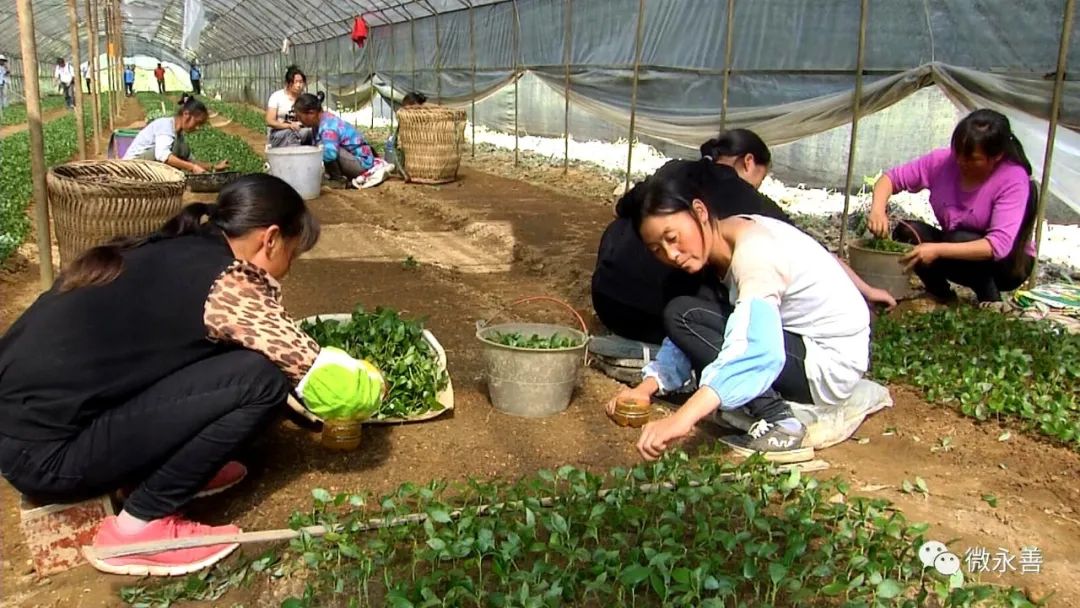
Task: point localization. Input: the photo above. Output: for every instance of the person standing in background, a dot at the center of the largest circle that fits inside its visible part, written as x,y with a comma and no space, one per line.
86,77
3,81
129,80
159,75
65,79
196,79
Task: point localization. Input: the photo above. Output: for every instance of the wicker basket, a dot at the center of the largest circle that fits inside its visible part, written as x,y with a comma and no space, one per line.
95,201
430,138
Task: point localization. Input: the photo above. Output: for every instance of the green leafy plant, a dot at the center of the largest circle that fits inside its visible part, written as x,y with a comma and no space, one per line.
676,532
885,245
410,263
239,114
535,341
16,113
987,366
397,347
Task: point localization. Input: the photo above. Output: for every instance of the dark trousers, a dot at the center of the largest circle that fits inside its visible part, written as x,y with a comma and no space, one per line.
196,86
69,94
987,278
696,325
627,321
171,439
161,86
129,88
346,166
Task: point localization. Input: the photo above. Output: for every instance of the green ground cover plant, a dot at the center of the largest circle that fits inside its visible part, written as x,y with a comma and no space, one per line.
678,532
16,189
535,341
16,113
987,366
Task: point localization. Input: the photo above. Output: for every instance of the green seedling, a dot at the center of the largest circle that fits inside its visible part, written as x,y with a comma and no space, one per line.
535,341
945,444
986,366
397,347
990,499
410,263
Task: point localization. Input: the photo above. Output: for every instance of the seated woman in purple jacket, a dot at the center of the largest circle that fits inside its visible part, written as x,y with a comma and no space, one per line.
983,197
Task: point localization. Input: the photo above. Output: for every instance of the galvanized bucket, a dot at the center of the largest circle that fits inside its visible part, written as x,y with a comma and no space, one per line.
527,382
881,269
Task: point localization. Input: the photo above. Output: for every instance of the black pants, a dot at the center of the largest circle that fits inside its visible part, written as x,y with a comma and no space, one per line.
627,321
129,88
161,86
696,325
171,439
987,278
196,86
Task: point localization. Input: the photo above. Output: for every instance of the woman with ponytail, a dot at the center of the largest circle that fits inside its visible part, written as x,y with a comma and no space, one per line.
152,359
787,324
985,203
630,288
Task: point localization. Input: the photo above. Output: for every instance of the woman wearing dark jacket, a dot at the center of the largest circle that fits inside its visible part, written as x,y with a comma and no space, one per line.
152,359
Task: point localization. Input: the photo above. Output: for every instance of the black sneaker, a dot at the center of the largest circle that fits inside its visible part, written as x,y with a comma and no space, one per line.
773,442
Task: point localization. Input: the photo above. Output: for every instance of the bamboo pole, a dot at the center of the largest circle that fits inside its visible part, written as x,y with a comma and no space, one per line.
856,109
517,77
95,75
118,66
76,59
472,59
638,40
390,73
568,41
412,50
438,54
727,62
1051,135
108,66
371,77
32,92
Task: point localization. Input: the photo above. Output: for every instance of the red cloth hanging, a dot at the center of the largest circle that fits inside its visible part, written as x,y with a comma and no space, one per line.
359,32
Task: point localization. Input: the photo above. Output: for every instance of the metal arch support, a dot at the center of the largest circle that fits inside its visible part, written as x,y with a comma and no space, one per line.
638,43
728,40
1051,136
864,15
568,41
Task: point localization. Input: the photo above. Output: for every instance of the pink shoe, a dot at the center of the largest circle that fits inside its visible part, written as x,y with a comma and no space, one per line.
231,474
175,562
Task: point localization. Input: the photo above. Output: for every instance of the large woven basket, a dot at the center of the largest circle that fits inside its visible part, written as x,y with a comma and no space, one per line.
430,138
95,201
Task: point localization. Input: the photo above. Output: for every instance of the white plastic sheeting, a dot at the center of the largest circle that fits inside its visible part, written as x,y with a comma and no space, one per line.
194,22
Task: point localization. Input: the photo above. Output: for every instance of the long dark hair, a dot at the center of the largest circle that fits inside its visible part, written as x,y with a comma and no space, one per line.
737,142
292,72
989,132
675,186
251,202
188,103
307,103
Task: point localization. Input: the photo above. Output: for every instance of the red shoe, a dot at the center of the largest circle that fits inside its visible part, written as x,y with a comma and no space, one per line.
231,474
176,562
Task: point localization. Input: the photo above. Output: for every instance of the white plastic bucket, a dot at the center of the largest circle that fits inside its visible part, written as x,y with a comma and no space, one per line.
300,166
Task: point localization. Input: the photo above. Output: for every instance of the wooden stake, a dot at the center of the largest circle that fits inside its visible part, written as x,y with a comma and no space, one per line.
472,58
517,78
95,75
638,40
1051,135
856,110
727,62
108,67
73,24
379,522
32,89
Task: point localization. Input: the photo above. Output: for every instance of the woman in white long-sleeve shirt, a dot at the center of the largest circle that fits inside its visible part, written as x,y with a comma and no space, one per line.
163,139
796,328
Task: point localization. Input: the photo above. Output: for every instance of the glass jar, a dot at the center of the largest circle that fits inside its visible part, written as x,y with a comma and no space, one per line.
342,434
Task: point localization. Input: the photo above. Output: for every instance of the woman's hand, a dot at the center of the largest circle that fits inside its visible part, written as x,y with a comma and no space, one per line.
921,255
221,166
881,297
878,223
658,436
295,126
639,393
197,169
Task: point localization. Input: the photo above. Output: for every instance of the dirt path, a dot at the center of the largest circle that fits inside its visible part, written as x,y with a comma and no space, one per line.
488,239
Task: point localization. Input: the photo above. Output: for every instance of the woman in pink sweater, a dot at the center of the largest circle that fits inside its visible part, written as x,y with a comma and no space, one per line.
985,202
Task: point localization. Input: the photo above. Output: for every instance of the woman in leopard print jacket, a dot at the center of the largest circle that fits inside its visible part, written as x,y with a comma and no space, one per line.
151,360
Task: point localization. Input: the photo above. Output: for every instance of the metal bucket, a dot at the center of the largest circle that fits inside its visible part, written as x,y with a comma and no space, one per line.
881,269
532,383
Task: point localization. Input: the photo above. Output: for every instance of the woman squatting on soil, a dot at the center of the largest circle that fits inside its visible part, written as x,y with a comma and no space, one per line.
163,139
983,198
283,128
631,288
152,359
789,324
346,154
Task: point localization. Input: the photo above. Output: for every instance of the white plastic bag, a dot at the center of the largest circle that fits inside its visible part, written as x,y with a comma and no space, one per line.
828,425
194,22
